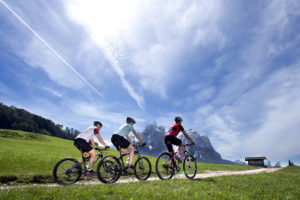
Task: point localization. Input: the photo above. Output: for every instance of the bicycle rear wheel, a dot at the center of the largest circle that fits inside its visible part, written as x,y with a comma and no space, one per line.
108,170
165,166
190,166
67,171
142,168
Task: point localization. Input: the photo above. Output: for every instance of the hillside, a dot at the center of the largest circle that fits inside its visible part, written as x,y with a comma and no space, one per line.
25,155
20,119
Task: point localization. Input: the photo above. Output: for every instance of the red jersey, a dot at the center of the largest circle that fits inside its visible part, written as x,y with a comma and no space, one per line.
174,129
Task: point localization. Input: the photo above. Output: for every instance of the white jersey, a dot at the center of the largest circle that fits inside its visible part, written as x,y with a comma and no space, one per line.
88,133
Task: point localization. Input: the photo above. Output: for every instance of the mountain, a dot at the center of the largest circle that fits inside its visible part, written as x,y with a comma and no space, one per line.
238,162
203,150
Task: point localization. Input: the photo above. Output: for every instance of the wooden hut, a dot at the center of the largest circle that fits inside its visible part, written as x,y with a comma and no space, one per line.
256,161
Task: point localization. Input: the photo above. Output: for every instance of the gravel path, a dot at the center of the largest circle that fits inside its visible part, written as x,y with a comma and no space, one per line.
206,174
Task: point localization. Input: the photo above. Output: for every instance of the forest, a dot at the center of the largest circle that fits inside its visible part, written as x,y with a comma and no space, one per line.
20,119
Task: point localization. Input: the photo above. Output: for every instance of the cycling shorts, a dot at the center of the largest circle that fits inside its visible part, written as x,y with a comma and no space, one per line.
119,141
82,145
170,140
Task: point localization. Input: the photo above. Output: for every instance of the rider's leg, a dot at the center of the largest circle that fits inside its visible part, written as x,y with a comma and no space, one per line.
92,154
124,151
85,155
181,149
131,148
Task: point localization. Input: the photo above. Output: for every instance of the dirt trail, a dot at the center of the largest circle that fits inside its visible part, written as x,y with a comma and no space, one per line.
206,174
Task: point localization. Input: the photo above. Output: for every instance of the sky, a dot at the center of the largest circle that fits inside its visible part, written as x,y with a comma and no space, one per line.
230,68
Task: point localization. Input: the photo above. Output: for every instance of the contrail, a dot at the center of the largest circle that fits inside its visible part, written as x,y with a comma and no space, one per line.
53,50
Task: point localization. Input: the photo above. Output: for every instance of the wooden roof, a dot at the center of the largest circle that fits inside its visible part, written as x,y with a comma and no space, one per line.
255,158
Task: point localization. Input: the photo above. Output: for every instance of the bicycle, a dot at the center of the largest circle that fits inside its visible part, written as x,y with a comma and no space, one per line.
111,168
69,170
166,165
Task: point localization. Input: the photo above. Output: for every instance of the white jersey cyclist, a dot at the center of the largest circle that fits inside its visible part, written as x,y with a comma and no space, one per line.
88,133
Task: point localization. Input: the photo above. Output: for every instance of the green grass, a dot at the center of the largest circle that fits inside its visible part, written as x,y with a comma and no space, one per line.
283,184
31,157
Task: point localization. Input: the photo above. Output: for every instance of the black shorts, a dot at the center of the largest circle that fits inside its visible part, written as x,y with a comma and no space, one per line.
82,145
119,141
172,139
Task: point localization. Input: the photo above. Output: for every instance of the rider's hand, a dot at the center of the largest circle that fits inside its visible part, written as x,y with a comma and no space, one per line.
144,144
107,147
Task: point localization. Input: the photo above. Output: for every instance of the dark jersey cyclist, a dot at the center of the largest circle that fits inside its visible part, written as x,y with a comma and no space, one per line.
171,136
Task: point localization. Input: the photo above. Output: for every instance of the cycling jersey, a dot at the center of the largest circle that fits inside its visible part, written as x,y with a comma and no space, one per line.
174,129
124,129
88,133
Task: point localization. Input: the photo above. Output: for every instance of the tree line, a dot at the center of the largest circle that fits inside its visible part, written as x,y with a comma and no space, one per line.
20,119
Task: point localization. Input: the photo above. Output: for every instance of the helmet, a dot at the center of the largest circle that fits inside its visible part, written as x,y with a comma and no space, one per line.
129,119
97,122
178,119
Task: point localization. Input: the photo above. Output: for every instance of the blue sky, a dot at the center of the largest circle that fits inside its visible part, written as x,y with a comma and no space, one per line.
231,69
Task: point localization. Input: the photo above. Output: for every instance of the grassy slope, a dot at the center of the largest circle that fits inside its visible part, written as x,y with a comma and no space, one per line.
24,154
283,184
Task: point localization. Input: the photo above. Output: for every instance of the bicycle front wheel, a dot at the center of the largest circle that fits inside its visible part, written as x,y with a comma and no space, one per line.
165,166
190,166
142,168
108,170
67,171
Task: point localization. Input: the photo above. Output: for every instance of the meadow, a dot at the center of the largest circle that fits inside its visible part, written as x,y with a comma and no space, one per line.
27,157
282,184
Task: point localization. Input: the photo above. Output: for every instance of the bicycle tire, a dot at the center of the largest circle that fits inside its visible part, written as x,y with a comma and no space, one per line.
162,166
142,163
110,164
190,166
64,177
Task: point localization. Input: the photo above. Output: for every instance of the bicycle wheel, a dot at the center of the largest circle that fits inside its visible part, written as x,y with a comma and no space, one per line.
142,168
67,171
108,170
165,166
190,166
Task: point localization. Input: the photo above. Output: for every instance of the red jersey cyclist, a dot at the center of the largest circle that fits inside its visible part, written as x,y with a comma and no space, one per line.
82,143
171,137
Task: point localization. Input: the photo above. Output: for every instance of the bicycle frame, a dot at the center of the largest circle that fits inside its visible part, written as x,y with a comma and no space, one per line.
136,151
98,156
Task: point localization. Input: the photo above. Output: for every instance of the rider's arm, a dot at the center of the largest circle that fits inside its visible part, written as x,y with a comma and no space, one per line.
128,138
188,137
101,140
137,136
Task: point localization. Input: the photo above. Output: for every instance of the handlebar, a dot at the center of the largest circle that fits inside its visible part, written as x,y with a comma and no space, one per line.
98,149
138,145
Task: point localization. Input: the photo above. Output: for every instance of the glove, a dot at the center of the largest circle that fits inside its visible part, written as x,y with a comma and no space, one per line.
107,147
144,144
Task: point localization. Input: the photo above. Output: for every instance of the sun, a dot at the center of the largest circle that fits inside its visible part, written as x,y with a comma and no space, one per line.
104,19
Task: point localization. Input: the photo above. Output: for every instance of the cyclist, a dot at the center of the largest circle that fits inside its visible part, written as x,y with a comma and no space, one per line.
121,143
170,137
82,143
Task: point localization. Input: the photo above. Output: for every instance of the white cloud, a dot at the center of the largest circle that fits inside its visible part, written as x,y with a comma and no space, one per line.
37,55
143,41
52,91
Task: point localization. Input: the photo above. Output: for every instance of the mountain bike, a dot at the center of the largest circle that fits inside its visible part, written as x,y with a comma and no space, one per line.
111,168
166,165
69,170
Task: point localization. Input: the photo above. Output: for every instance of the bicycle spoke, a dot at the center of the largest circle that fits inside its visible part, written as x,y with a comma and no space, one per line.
165,166
190,166
142,168
67,171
